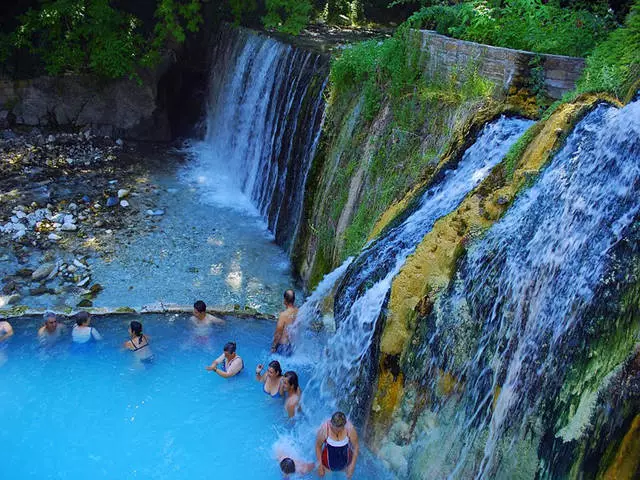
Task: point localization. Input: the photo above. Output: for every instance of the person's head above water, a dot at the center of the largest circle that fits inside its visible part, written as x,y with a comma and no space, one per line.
291,380
230,348
338,420
200,308
50,321
289,297
136,328
275,365
82,318
288,466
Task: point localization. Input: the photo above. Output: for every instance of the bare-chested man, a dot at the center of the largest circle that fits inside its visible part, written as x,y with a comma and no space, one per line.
281,343
202,320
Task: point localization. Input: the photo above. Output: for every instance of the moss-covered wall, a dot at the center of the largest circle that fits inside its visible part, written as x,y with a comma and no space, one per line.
366,162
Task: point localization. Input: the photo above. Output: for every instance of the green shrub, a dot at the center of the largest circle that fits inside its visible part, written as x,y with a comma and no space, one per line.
287,16
521,24
614,65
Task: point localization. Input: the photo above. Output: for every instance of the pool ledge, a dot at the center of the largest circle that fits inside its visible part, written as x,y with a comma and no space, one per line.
18,311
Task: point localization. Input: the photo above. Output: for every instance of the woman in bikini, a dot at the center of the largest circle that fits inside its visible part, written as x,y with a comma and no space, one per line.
139,343
337,445
291,389
272,378
228,364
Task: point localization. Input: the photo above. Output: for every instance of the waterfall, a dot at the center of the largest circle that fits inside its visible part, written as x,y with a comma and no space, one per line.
265,111
507,327
367,281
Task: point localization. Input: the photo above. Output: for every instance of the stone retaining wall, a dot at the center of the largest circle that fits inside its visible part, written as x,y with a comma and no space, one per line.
444,56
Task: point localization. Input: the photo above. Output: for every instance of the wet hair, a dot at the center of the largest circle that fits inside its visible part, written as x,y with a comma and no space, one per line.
338,419
48,315
200,306
287,466
82,317
292,378
275,364
136,329
230,347
289,297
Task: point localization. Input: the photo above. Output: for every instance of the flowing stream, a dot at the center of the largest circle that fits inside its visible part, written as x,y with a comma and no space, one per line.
517,309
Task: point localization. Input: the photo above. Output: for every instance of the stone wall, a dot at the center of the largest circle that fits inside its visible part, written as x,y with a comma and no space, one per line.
506,67
119,108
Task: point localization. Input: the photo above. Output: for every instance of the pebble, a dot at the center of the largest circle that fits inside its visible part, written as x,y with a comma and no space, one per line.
112,201
54,237
98,224
69,227
119,142
155,213
83,282
78,263
124,203
123,192
42,271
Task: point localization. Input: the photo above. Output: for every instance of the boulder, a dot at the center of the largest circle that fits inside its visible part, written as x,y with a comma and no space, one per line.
42,271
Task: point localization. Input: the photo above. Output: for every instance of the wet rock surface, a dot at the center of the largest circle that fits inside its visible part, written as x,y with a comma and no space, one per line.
63,207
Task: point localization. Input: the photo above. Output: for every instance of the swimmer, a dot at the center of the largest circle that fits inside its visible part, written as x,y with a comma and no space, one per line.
337,445
271,379
201,318
138,343
289,458
286,319
82,331
228,364
6,330
291,388
51,331
289,466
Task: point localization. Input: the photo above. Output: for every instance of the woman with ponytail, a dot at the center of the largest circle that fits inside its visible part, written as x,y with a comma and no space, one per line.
138,343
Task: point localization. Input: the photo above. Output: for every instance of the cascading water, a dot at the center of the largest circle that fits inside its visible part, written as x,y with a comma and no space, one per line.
264,118
368,279
506,328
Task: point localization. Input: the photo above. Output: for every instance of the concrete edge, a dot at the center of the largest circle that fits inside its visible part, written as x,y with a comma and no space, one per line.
21,311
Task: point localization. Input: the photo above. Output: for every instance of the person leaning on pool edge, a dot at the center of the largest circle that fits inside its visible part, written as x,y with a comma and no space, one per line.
230,363
281,343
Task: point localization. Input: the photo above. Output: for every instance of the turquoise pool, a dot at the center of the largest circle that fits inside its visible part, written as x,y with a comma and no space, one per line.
97,414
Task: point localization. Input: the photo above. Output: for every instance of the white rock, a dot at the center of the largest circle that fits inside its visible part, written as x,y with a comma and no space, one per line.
51,139
123,192
14,219
96,205
42,271
78,263
108,231
83,282
68,219
124,203
119,142
70,161
69,227
20,214
73,206
71,268
113,182
54,237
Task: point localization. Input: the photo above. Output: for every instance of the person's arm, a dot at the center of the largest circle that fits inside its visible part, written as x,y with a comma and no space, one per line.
291,405
355,450
41,331
320,439
304,467
8,331
278,333
96,334
215,320
259,376
128,345
233,369
215,363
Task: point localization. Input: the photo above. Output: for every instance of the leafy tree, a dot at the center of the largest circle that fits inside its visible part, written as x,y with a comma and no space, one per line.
287,16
